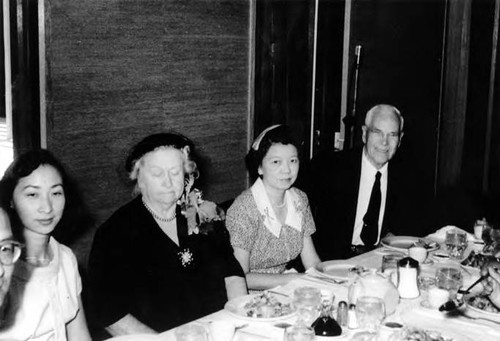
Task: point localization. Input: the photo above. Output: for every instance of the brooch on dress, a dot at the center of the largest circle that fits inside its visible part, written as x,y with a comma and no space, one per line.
186,257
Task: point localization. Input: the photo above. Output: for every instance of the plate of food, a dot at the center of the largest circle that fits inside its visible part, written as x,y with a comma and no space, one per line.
421,334
403,243
477,259
261,307
338,269
480,306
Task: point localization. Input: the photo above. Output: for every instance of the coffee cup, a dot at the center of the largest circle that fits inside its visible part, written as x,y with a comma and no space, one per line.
419,253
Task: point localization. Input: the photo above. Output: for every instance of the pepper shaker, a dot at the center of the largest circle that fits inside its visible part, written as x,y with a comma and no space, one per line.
342,312
407,278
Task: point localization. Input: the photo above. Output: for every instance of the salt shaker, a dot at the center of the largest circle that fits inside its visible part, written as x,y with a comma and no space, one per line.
342,312
407,278
479,226
352,319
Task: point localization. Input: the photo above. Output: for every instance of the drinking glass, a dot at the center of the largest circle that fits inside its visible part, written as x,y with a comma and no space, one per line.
450,279
191,332
307,302
456,243
299,333
370,311
390,263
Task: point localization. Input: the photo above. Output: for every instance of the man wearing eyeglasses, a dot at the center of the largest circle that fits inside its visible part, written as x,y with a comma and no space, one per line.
356,197
10,250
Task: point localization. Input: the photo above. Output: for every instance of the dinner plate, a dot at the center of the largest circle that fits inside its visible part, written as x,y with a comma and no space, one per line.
236,307
440,334
337,269
141,337
403,243
479,313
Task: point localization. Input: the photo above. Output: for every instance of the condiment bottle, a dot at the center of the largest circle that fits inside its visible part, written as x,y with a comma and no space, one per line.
407,278
325,325
342,312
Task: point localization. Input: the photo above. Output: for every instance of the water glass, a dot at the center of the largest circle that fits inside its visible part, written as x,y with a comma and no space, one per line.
370,312
456,243
450,279
307,302
299,333
190,332
390,263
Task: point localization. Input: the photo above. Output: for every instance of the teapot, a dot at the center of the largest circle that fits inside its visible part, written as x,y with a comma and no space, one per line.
374,283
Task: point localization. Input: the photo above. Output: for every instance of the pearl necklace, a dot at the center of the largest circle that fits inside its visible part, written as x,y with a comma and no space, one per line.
157,217
37,261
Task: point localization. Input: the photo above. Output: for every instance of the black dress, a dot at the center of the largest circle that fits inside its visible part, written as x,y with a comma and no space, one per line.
135,268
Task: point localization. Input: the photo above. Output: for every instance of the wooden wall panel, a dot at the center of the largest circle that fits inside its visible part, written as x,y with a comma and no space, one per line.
119,70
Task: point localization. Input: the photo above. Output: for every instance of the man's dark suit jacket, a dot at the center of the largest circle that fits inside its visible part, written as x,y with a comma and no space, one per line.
333,190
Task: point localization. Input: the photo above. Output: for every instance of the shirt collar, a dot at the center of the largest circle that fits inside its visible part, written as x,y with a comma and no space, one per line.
271,222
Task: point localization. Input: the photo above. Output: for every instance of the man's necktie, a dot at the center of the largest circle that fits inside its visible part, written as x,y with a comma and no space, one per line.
369,233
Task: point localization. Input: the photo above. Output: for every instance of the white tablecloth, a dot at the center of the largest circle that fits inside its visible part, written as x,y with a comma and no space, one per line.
409,312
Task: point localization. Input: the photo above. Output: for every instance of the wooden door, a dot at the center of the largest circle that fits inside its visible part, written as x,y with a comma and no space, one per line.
400,64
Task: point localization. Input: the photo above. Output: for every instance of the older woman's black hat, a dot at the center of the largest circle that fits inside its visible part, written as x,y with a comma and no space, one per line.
151,142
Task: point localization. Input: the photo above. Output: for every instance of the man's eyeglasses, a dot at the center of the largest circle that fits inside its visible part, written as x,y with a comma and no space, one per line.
393,136
9,252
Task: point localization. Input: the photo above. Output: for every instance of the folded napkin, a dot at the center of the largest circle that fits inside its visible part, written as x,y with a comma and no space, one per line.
440,234
259,332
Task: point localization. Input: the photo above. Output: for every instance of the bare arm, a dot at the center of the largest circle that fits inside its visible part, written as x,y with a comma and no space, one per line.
257,281
77,329
235,286
308,255
129,325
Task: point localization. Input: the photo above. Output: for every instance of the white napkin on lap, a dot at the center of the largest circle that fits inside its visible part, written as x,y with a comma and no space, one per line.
440,234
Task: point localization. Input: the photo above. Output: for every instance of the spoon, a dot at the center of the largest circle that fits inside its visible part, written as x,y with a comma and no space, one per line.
479,280
455,304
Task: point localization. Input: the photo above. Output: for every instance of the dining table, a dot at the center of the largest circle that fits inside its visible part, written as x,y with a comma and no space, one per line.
411,313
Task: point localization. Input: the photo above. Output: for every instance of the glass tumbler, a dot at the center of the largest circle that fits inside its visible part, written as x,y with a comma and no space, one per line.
450,279
456,243
370,312
307,302
390,263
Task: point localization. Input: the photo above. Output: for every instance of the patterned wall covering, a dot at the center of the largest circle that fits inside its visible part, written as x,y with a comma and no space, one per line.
118,70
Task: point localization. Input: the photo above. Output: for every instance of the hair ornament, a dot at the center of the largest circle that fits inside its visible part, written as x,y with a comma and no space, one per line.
256,143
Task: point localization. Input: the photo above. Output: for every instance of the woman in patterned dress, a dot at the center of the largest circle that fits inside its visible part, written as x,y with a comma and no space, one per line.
271,223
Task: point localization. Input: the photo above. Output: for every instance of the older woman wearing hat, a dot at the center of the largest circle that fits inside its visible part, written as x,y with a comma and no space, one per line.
151,268
271,223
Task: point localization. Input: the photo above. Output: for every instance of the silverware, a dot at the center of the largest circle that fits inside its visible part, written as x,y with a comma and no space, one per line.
453,305
277,293
325,279
466,291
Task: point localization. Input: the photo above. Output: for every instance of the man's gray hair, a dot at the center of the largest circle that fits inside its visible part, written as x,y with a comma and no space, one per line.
379,108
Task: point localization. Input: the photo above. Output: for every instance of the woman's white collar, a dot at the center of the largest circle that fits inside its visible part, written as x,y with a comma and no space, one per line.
271,222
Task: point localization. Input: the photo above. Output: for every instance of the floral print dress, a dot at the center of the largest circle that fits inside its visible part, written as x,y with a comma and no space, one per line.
268,253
